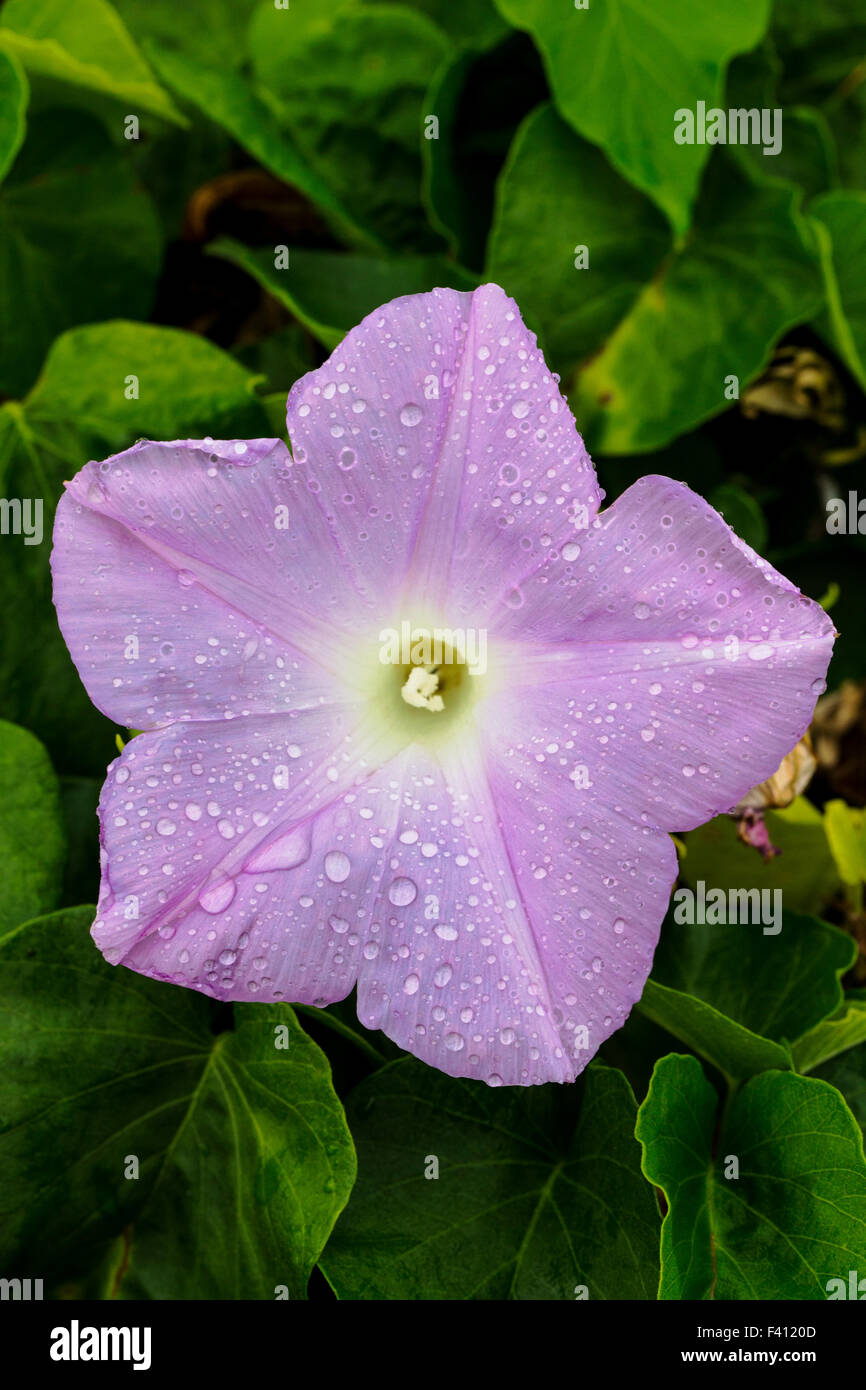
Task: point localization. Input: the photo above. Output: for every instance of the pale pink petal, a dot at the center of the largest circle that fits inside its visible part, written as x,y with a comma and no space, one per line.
455,970
242,858
189,584
442,450
673,663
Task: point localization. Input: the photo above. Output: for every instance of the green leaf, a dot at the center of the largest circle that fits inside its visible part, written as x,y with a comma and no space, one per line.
714,310
85,46
79,797
804,871
740,997
348,83
620,70
538,1191
32,842
330,292
472,22
228,100
842,1030
13,106
840,220
793,1218
479,100
244,1158
742,513
818,45
778,986
823,49
736,1051
452,208
558,194
79,410
844,826
78,239
848,1074
808,156
218,41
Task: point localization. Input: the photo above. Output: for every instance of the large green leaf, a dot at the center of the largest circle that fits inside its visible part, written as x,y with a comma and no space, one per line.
804,871
747,273
538,1191
85,46
621,69
32,842
348,82
847,1073
228,100
841,225
736,1051
78,410
217,39
556,194
472,22
79,799
823,52
13,105
778,986
794,1215
243,1155
330,292
844,1029
479,100
79,241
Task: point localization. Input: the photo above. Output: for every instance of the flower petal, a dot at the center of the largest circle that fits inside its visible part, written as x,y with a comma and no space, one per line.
241,858
454,971
181,597
677,666
429,425
593,880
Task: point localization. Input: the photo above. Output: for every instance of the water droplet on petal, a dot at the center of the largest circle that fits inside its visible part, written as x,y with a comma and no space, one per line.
760,652
286,852
338,866
402,892
217,896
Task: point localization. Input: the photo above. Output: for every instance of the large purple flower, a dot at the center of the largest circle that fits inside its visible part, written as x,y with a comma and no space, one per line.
475,834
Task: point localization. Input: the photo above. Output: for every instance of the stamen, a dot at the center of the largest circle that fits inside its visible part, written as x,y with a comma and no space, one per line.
421,689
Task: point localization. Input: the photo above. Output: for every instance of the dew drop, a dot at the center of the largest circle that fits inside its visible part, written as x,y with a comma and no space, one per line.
217,896
287,852
760,652
338,866
445,932
402,892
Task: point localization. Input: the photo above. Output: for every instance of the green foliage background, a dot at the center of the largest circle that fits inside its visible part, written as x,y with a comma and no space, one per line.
305,1172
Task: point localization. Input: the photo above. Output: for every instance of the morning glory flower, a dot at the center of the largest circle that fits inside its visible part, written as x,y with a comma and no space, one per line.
474,833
